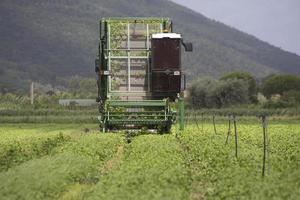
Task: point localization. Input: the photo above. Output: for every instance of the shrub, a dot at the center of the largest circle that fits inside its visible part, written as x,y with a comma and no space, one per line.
199,91
229,92
279,84
292,96
289,99
15,151
209,93
245,76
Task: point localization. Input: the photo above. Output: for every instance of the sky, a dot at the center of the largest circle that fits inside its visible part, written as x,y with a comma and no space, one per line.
274,21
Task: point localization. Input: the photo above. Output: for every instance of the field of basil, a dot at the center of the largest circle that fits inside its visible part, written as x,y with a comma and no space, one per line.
75,161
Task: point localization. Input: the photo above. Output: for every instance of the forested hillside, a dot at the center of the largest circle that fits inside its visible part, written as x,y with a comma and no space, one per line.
50,40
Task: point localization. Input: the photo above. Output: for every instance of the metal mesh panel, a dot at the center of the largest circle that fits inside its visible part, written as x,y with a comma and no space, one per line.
118,39
139,74
128,54
119,75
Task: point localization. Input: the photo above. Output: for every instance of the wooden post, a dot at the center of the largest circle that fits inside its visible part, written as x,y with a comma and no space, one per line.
31,93
202,121
181,114
229,129
235,136
214,123
187,119
195,118
264,125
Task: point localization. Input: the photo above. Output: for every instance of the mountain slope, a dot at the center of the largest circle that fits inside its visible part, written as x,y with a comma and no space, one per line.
50,40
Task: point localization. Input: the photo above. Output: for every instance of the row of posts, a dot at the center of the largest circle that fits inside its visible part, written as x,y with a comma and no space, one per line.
233,122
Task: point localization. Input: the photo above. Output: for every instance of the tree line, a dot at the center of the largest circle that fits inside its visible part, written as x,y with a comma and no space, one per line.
240,88
232,89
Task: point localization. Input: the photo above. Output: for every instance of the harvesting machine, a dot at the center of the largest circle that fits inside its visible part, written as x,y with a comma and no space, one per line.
139,74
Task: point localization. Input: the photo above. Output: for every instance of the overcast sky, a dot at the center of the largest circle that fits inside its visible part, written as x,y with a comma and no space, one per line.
274,21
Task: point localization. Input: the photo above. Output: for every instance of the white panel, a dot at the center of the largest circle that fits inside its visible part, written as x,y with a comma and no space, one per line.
166,35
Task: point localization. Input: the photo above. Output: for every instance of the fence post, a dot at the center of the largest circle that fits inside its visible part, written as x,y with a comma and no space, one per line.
235,136
264,125
31,93
195,118
202,121
229,129
187,119
214,123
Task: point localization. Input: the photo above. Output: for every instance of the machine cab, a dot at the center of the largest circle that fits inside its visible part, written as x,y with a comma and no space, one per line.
166,72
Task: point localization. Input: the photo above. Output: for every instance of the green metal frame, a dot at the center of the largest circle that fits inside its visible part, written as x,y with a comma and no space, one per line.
106,52
120,114
155,114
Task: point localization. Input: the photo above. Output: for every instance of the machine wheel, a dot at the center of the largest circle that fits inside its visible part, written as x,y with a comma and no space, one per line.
164,129
168,128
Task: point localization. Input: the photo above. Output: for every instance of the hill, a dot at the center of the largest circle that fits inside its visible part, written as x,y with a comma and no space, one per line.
51,40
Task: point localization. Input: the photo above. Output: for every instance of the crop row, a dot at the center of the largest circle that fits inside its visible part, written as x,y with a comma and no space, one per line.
50,119
92,118
15,149
197,164
218,174
251,111
153,168
76,163
46,112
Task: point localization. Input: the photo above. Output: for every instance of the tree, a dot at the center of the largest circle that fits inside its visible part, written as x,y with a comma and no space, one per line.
209,93
229,92
292,96
74,85
199,90
279,84
83,87
245,76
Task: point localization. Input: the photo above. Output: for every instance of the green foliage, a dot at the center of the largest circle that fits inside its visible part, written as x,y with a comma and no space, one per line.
217,174
254,111
279,84
45,178
13,101
50,119
153,168
23,142
209,93
194,164
289,99
230,92
81,87
98,147
85,89
248,77
291,96
199,92
15,150
77,162
48,112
